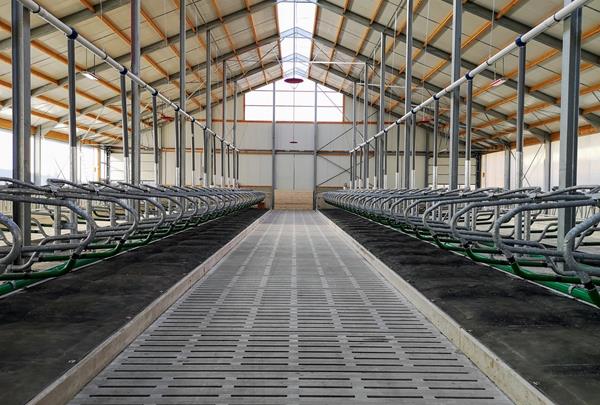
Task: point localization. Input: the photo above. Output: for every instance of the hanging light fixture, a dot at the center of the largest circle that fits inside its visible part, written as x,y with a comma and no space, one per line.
293,79
89,75
498,82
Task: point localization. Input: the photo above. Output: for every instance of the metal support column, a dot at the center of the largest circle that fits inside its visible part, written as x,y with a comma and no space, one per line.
208,113
426,165
520,117
353,177
468,132
507,158
125,127
383,141
107,153
228,183
72,111
156,141
376,158
398,184
408,92
413,151
21,109
436,130
193,151
182,92
135,93
315,148
455,95
236,173
569,115
273,152
224,123
360,167
547,164
213,148
519,132
37,156
351,170
177,148
366,125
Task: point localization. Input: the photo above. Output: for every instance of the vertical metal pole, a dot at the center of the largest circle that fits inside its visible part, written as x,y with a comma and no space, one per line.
376,160
569,115
224,123
182,92
478,170
520,116
315,148
37,157
193,150
398,184
468,133
366,126
21,113
124,127
519,135
207,171
354,130
351,170
507,167
273,152
455,95
436,130
383,146
135,93
222,163
408,92
365,154
177,149
155,139
234,136
72,111
107,153
213,149
360,167
426,165
228,183
413,151
547,164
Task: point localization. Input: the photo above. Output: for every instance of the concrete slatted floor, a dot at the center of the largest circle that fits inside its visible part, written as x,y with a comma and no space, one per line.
292,316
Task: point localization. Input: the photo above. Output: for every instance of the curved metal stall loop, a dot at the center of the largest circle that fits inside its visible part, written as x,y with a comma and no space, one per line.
482,225
105,222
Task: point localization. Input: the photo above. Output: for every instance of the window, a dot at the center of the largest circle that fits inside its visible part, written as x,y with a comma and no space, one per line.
294,103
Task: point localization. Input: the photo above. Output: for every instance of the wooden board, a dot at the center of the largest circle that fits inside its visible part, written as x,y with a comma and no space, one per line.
293,200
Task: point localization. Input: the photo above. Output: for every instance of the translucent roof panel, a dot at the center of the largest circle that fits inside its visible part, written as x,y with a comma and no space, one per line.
296,20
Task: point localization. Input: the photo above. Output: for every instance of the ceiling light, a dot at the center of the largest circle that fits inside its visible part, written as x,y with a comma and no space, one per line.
293,80
89,75
60,125
499,82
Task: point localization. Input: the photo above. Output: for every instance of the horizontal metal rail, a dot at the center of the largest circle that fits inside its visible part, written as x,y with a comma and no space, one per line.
519,42
71,33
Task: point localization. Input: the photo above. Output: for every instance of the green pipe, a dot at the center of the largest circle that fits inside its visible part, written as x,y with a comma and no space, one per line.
563,284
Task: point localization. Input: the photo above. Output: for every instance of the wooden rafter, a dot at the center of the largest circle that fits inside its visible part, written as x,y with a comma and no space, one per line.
255,36
228,35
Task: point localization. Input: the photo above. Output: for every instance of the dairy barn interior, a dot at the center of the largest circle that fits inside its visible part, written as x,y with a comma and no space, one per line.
312,202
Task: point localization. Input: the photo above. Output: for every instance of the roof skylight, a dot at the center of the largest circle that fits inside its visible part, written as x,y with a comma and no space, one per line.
296,20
